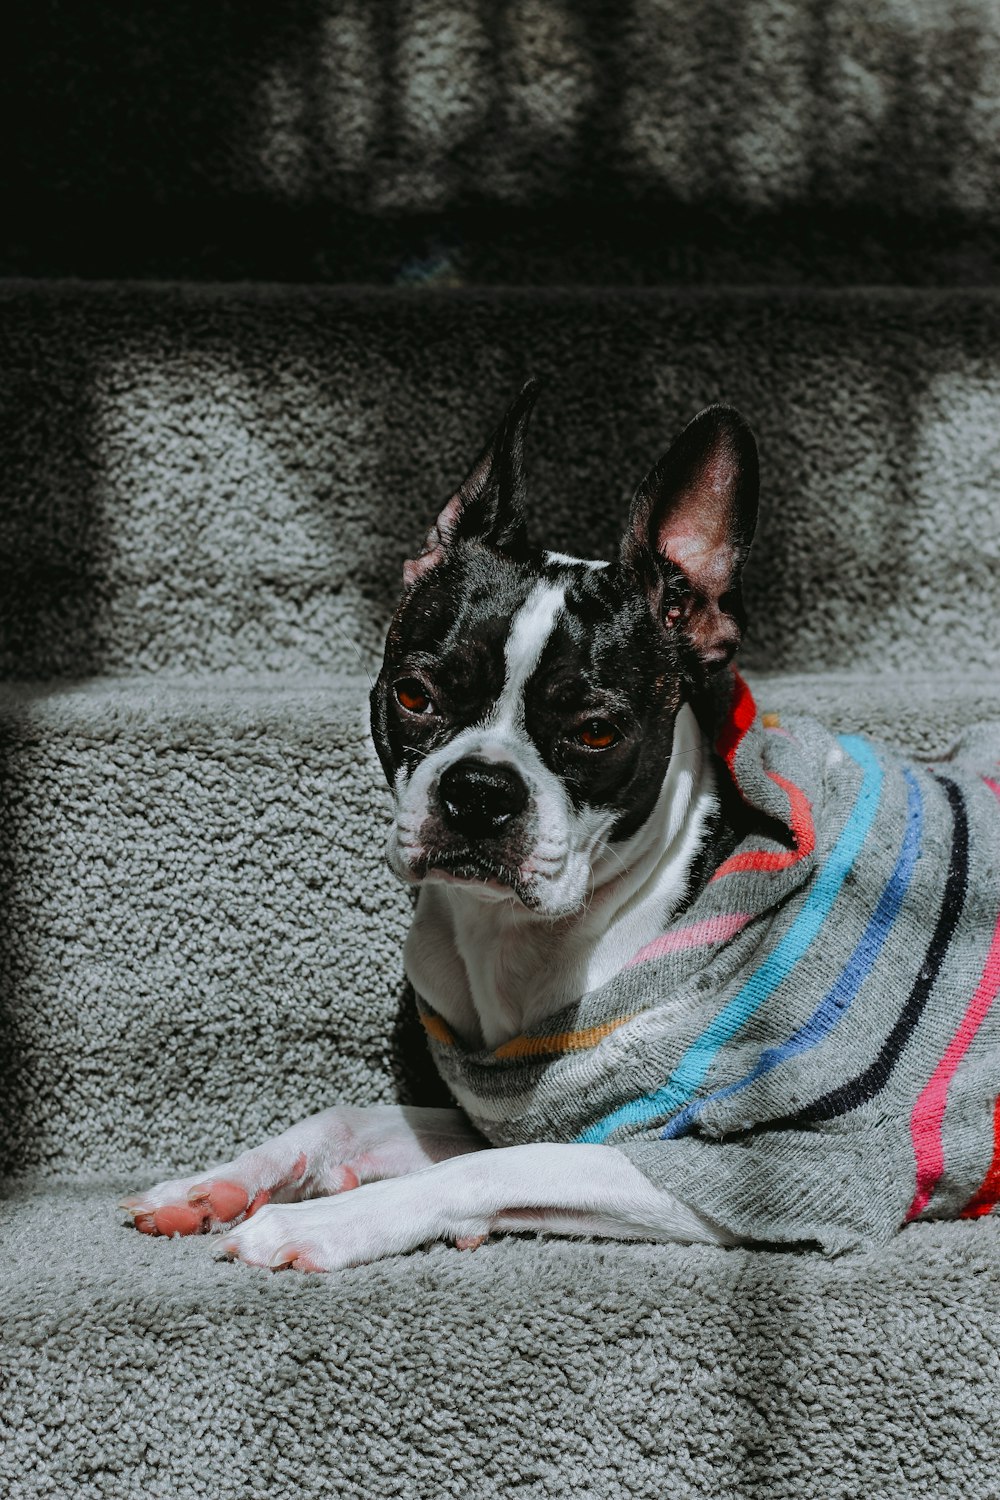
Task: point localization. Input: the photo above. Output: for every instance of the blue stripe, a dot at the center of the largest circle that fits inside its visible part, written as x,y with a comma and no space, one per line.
852,976
693,1066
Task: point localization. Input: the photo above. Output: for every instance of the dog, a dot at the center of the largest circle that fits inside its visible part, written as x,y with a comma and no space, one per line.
670,998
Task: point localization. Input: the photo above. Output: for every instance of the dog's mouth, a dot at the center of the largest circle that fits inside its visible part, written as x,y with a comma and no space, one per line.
462,867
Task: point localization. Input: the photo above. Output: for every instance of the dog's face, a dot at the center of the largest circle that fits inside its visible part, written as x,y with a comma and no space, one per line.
525,707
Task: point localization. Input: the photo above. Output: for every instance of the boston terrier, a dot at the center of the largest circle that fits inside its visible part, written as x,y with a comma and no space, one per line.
552,792
563,805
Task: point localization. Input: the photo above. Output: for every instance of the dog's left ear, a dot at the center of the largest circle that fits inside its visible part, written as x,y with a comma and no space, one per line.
488,505
689,532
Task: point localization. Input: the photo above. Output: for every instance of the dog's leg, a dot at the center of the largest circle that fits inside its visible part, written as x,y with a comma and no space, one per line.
327,1153
562,1189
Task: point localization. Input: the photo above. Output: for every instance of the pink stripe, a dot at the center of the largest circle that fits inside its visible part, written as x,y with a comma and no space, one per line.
698,935
928,1112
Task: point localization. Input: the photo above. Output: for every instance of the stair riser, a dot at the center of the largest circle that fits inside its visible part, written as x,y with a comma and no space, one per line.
230,478
201,941
427,105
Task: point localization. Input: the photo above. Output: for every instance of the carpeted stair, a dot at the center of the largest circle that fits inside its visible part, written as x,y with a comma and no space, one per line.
208,487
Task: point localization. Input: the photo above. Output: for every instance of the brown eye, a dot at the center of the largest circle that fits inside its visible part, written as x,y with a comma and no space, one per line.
410,694
599,734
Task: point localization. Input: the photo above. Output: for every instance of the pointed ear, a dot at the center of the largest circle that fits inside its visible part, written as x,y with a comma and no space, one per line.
690,528
488,506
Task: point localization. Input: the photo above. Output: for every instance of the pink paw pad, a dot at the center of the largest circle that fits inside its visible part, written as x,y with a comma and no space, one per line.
227,1200
176,1219
303,1261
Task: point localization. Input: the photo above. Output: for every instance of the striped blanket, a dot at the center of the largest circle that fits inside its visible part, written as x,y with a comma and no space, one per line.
811,1050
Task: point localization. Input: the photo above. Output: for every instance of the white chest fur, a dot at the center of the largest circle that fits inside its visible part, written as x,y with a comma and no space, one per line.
491,969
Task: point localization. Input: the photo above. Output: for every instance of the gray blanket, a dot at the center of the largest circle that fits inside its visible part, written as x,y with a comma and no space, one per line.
810,1050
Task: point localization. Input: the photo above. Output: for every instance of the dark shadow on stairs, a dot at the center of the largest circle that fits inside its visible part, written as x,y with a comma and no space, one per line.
275,143
52,557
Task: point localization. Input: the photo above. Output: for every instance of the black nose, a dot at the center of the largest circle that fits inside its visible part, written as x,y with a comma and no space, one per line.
478,798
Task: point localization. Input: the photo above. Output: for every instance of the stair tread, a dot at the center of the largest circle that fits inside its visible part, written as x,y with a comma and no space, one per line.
920,710
126,1356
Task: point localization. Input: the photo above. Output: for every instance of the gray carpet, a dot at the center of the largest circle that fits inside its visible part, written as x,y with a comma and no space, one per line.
143,1367
846,139
206,492
201,943
412,103
227,479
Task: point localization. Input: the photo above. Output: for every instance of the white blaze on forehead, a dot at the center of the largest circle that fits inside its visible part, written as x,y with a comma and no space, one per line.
575,562
530,629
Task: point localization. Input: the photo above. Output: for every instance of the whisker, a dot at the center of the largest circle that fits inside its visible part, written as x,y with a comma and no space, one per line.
615,855
356,649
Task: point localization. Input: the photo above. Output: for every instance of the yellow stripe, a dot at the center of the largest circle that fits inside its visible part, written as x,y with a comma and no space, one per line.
564,1041
435,1027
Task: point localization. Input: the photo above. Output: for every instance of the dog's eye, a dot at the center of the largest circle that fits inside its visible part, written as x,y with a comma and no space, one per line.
410,694
599,734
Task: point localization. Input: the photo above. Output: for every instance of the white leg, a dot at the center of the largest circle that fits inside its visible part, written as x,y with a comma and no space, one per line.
327,1153
566,1189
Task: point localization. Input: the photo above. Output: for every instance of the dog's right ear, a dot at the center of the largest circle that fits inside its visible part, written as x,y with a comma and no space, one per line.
488,505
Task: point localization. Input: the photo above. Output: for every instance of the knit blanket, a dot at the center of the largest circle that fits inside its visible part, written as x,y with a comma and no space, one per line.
811,1050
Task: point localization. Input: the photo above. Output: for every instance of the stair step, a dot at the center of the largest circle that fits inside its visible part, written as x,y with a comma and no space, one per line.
227,479
341,140
201,939
139,1367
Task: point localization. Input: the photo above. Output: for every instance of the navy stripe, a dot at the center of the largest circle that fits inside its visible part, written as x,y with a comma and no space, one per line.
874,1078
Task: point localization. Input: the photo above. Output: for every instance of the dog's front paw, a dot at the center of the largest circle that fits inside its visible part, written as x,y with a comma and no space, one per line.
327,1234
227,1194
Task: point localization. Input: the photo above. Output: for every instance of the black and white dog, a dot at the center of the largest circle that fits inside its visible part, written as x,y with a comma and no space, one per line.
554,796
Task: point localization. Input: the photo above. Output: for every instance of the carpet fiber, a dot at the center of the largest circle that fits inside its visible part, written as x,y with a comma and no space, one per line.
138,1366
208,484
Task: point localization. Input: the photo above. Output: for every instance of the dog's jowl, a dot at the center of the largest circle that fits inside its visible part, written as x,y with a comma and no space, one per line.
689,973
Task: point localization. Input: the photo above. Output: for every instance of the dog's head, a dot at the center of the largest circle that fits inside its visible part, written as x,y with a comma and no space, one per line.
524,711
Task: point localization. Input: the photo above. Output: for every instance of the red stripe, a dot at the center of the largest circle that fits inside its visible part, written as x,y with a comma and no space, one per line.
800,820
988,1192
742,713
927,1118
987,1195
803,831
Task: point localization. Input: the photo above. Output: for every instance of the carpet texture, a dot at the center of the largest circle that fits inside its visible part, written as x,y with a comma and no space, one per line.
200,943
206,494
334,139
543,1369
228,479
